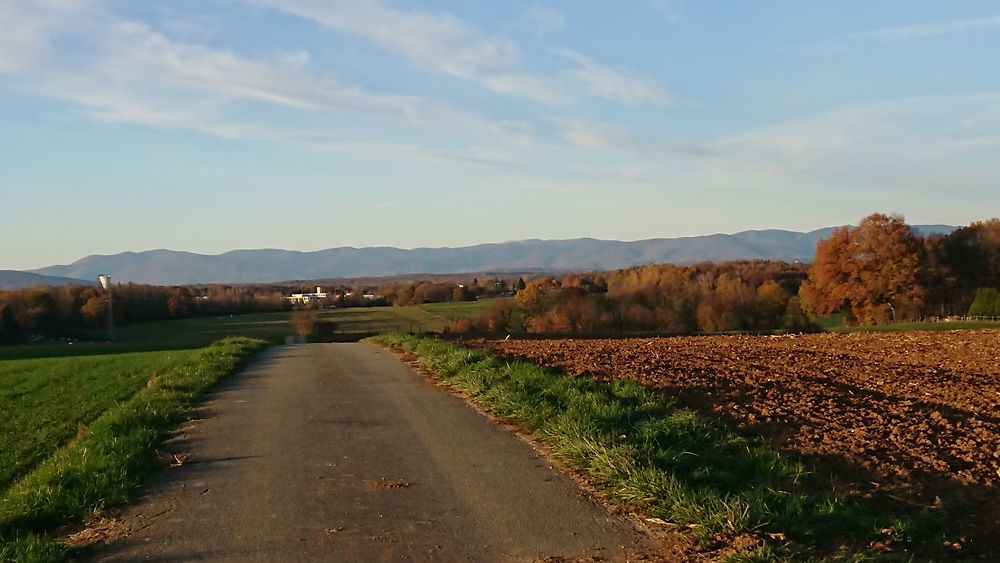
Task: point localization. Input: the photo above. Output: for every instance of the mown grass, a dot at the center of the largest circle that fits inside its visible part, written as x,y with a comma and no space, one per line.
925,326
641,450
835,323
455,310
184,334
375,320
47,402
107,462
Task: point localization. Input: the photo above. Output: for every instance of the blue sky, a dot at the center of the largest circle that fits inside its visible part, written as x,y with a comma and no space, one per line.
209,125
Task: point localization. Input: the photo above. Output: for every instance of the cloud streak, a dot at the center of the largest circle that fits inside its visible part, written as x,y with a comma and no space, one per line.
134,74
129,72
448,45
28,27
934,29
900,34
893,144
617,84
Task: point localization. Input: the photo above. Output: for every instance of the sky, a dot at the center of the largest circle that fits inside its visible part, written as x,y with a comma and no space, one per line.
212,125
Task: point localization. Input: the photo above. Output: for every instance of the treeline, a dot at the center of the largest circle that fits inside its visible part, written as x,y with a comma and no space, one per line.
440,291
753,295
64,311
882,271
413,293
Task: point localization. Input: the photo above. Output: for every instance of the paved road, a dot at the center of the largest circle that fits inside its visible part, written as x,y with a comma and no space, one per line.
340,452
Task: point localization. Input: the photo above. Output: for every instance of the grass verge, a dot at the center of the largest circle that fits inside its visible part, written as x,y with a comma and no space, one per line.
640,450
108,462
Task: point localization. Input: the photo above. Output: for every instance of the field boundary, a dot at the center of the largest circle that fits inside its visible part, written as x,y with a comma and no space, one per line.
730,494
108,463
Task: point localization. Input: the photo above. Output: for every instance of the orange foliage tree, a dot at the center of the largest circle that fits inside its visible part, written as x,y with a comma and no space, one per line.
873,271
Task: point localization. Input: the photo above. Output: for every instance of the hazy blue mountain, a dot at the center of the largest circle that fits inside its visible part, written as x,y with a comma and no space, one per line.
14,279
167,267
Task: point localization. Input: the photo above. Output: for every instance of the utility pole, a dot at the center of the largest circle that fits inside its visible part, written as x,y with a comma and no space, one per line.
106,284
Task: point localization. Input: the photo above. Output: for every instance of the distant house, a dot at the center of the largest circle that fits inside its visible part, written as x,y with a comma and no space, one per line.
320,295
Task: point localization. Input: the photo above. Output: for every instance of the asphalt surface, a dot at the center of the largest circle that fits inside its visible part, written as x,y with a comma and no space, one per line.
340,452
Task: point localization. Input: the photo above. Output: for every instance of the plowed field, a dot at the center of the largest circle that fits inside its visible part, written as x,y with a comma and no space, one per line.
912,418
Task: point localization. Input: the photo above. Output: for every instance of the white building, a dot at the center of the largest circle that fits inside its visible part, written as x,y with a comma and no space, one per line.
320,295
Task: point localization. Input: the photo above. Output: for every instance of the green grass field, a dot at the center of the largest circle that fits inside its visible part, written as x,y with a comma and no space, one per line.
373,320
455,310
835,323
200,332
79,434
47,402
163,335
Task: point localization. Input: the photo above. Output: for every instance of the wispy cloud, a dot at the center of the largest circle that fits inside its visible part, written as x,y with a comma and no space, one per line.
135,54
452,46
131,73
893,147
525,85
127,72
921,31
587,135
898,34
442,42
28,27
875,144
618,84
205,118
542,19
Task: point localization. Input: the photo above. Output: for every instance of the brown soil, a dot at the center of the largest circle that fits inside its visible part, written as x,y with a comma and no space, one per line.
384,484
911,418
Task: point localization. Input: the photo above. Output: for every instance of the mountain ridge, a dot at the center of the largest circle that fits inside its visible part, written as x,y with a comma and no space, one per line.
16,279
174,267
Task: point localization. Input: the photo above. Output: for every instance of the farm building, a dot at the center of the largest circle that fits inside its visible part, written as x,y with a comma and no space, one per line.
320,295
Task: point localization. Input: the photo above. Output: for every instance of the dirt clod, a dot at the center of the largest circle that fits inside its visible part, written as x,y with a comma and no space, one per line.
384,484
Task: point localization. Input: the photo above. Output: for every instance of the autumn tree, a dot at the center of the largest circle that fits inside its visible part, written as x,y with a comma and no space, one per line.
536,296
9,331
93,310
303,322
403,295
503,316
986,303
771,305
41,312
179,303
972,254
872,270
462,293
582,310
796,319
944,294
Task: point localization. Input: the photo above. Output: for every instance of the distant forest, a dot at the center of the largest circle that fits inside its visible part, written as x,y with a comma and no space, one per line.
879,272
75,311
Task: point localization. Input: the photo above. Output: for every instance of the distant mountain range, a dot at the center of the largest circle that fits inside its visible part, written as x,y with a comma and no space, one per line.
169,267
14,279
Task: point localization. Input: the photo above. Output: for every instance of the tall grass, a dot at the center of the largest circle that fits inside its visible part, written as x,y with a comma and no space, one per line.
642,451
107,463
